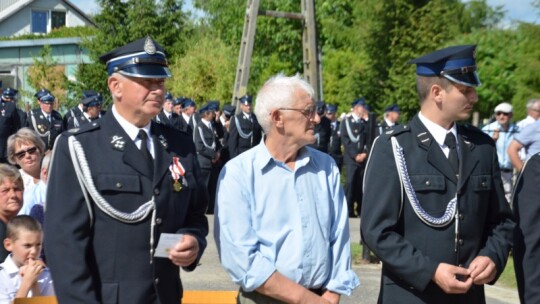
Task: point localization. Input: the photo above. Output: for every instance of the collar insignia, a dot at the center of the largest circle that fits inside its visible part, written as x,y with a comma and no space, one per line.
163,141
118,143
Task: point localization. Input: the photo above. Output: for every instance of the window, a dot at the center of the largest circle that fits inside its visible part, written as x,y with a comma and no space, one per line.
39,22
58,19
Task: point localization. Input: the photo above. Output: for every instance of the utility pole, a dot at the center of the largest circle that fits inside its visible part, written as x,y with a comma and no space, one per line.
309,45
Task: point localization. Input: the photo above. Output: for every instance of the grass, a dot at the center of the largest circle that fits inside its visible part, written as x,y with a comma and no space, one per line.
507,278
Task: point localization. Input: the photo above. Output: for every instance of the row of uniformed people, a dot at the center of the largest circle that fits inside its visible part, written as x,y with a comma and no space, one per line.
217,136
46,121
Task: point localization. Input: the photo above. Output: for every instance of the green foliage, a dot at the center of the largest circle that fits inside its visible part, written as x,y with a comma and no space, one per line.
527,78
205,72
63,32
497,56
46,73
121,22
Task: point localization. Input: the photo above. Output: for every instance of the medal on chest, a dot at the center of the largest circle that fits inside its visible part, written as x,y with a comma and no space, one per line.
177,172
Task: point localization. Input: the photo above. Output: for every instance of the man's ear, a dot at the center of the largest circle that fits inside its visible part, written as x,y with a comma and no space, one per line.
277,118
115,85
437,92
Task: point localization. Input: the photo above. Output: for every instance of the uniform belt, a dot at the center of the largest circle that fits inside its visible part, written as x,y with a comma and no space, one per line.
507,170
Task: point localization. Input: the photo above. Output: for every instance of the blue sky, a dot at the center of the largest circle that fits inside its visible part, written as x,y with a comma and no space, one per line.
517,10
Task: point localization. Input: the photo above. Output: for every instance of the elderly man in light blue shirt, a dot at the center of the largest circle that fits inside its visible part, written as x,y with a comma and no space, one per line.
502,130
281,222
528,138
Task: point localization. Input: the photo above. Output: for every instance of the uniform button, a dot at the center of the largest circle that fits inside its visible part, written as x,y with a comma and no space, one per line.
118,185
460,242
156,191
156,281
158,221
461,216
428,183
484,184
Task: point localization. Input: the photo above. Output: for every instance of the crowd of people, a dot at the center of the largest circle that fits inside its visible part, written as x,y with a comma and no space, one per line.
144,174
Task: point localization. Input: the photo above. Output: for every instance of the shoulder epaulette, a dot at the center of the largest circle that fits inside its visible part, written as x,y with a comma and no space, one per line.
85,128
397,130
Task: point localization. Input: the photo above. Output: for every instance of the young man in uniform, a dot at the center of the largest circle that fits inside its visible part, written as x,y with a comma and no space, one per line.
434,208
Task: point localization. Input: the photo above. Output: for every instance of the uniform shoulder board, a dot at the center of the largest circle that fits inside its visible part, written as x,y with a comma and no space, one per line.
397,130
85,128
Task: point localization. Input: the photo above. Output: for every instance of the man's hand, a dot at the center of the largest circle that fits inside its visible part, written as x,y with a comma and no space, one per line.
495,134
360,157
331,297
483,270
185,252
446,276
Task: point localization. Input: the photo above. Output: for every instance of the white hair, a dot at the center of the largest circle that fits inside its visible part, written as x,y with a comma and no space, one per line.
278,92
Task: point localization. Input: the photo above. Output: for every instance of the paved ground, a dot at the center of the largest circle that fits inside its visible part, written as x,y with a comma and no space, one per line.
210,276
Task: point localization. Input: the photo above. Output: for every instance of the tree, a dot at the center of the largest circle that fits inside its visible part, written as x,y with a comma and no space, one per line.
122,21
47,74
205,72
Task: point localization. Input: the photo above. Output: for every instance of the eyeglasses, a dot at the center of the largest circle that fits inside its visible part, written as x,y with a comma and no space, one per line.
502,113
307,112
21,154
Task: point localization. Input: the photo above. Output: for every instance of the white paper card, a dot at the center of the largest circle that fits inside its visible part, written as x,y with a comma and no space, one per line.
166,242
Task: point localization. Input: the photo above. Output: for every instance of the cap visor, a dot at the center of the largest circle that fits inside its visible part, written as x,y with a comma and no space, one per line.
146,71
468,79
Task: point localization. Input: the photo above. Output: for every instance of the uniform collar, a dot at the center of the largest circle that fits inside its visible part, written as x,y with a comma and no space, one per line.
131,130
438,132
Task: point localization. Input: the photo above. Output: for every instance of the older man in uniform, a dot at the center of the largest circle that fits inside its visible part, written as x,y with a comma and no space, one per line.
9,121
434,207
244,130
133,184
46,121
526,207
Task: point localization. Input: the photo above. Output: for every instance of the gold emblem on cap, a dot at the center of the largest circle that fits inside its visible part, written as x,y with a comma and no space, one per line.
149,46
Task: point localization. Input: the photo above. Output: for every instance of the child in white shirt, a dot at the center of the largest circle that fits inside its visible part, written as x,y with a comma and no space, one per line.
23,274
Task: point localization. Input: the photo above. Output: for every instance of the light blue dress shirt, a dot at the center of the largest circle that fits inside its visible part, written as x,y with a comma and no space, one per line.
271,218
529,137
505,138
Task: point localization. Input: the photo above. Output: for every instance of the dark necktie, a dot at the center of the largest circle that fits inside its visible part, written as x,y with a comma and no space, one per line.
144,149
450,142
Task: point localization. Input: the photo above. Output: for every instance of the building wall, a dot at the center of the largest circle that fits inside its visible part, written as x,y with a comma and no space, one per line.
15,60
20,22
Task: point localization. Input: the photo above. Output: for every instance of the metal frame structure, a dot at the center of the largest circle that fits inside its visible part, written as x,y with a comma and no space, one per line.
309,45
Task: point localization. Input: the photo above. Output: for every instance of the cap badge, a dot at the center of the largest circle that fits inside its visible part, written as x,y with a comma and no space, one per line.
118,143
149,46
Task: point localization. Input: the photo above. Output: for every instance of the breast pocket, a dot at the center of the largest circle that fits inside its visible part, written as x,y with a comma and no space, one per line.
427,189
119,183
422,183
481,183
